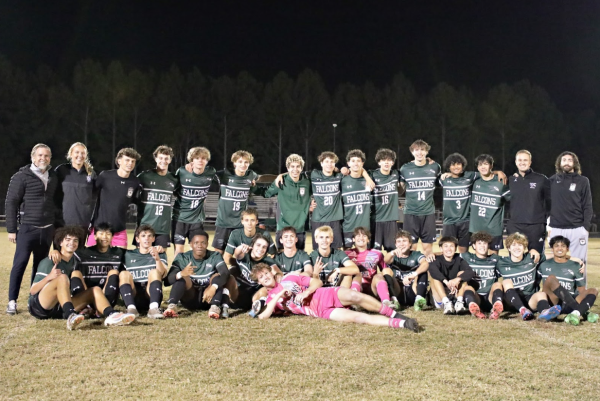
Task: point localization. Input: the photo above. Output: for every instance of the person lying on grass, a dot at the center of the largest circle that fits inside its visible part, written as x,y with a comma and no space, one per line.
302,295
51,290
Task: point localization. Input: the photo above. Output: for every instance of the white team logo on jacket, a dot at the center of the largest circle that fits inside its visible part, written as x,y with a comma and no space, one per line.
302,190
130,192
572,187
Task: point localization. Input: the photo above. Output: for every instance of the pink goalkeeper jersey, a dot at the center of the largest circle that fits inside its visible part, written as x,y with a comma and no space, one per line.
295,284
367,261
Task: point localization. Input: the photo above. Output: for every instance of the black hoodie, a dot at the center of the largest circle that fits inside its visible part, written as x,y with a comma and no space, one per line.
571,201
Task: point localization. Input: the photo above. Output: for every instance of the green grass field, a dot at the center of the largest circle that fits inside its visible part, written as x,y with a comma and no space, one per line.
300,358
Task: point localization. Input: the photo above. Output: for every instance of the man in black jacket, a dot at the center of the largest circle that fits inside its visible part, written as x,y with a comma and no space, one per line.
571,212
529,203
30,202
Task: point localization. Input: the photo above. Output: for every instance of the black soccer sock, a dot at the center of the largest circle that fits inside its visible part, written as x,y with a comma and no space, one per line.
108,311
497,295
586,303
422,282
177,291
216,300
156,292
542,304
513,298
469,297
225,300
111,290
76,286
566,297
390,282
68,308
127,294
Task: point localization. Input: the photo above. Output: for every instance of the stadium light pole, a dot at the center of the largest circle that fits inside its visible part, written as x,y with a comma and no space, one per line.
334,125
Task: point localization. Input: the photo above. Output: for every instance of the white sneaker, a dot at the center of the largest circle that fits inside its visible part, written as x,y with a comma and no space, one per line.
131,309
11,308
74,320
448,308
155,313
459,307
119,319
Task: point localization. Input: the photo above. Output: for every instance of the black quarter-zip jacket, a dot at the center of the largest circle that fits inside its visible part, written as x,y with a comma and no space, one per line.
530,198
571,201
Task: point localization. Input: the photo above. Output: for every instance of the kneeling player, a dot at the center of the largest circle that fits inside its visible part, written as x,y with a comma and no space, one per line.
332,266
484,293
369,281
407,272
141,281
191,276
304,295
51,293
449,276
564,284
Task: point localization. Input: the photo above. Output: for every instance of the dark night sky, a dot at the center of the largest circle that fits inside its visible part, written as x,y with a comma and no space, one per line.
474,43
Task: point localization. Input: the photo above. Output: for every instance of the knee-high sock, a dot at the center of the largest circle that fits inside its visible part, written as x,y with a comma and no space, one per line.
156,292
111,291
422,282
586,303
566,297
513,298
76,286
542,304
127,294
177,291
390,282
470,297
382,291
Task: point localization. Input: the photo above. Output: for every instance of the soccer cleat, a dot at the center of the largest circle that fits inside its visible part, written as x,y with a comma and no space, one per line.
448,308
550,313
225,311
119,319
420,303
396,303
256,308
389,304
214,312
338,278
592,317
74,320
497,309
572,319
133,310
155,313
459,307
11,308
526,314
412,325
171,311
475,311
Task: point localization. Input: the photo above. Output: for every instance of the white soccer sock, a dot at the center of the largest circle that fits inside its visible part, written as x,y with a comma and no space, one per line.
459,299
445,300
154,305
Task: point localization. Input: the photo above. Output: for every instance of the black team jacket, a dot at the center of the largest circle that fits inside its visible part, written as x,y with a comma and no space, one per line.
530,198
571,201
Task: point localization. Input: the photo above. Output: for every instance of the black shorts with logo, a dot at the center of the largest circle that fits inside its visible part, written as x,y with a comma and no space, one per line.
383,235
421,228
180,231
221,237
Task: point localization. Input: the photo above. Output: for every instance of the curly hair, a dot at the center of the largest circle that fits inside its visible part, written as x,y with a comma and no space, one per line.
356,153
328,155
517,238
576,165
481,236
455,158
72,231
385,154
257,269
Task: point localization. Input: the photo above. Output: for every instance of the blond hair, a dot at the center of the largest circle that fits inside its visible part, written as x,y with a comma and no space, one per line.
242,154
197,153
86,163
294,158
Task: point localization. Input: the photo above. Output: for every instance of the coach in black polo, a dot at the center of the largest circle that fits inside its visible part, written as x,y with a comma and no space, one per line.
30,202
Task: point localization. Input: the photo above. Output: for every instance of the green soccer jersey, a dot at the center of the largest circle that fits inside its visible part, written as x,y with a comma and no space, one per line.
190,193
328,197
419,183
238,237
203,268
408,264
524,274
234,193
246,264
457,197
156,203
95,265
567,274
336,259
485,270
356,199
385,195
46,266
487,206
294,201
295,263
139,264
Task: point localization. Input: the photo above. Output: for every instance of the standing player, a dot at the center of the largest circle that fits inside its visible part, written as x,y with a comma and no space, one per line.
571,212
155,206
385,200
407,272
368,261
356,197
291,258
484,292
487,202
520,276
145,269
116,190
75,199
303,295
197,278
529,203
293,197
51,293
190,192
449,276
418,179
330,265
245,235
234,192
565,286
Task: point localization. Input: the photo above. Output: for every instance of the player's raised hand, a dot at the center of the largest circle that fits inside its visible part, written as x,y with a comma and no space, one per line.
444,176
159,249
55,256
535,255
54,273
188,270
243,248
318,266
301,298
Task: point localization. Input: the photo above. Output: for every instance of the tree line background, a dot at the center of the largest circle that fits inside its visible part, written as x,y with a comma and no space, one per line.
113,106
